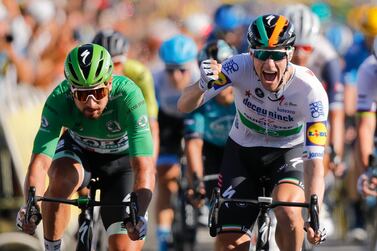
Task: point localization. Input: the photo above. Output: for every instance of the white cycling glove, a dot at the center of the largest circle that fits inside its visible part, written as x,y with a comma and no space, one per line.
207,75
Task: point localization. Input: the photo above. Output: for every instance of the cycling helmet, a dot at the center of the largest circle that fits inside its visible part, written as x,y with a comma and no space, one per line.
271,31
178,50
88,65
113,41
368,21
306,23
228,17
340,36
218,50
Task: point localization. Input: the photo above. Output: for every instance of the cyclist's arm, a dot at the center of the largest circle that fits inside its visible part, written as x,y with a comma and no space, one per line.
314,179
193,150
37,173
366,125
191,98
140,148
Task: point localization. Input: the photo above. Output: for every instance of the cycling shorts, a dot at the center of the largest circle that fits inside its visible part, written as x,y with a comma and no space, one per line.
240,174
115,178
171,134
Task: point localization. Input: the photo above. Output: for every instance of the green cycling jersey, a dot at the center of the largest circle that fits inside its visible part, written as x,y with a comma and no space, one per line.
123,127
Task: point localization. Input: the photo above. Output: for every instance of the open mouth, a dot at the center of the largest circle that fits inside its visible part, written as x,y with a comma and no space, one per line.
269,75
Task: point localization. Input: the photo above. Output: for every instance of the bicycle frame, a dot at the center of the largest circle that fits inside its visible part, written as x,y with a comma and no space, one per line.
86,204
263,220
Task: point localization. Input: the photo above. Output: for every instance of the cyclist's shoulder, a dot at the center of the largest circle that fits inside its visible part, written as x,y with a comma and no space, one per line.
123,85
306,78
368,66
60,92
135,69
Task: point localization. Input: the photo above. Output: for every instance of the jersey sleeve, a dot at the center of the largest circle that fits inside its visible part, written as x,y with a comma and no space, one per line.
229,67
367,90
139,134
316,109
142,77
49,131
194,125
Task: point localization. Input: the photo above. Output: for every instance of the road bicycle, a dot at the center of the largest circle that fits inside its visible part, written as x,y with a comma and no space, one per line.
87,236
264,203
371,212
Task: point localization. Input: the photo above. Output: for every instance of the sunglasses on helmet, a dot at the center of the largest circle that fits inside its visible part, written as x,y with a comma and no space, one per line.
97,94
275,55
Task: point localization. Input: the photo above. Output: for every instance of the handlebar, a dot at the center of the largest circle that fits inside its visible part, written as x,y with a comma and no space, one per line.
81,202
261,202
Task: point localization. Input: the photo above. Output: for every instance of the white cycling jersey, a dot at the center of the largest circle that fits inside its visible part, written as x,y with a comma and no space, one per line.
296,114
366,85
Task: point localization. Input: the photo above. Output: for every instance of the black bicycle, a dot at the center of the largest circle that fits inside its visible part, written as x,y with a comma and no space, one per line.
264,220
86,238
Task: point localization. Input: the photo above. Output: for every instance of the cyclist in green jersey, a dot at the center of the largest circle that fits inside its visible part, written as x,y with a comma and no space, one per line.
107,136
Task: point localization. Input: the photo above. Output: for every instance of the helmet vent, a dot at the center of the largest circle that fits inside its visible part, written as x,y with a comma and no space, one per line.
72,71
99,68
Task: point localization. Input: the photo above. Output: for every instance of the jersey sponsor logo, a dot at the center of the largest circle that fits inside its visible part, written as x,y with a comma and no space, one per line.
113,126
142,122
316,109
230,66
44,122
101,145
259,92
221,81
316,133
279,109
271,114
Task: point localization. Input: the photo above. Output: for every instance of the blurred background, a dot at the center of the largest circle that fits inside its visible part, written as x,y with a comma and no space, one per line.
36,35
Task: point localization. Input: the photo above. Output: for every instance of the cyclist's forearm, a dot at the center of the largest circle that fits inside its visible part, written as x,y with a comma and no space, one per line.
337,130
144,181
37,173
314,179
365,132
155,130
191,98
193,151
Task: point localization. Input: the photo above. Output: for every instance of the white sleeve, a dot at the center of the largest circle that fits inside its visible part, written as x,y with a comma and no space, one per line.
317,109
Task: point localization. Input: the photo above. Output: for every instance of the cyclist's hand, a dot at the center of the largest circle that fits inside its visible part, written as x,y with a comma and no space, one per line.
196,198
139,231
338,168
209,72
367,185
28,227
313,237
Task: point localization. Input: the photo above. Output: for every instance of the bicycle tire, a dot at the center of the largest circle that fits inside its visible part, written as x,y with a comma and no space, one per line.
19,241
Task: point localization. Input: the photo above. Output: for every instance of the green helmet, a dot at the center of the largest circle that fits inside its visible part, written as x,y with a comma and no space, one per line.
88,65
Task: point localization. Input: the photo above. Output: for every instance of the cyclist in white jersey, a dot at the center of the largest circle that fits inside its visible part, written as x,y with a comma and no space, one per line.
366,126
279,132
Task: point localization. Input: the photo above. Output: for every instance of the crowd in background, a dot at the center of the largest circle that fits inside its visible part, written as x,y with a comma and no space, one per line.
36,35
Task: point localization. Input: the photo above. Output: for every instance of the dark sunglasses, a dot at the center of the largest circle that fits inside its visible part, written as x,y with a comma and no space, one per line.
275,55
172,70
97,94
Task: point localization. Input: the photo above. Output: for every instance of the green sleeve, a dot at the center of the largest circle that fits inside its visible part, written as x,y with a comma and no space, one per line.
138,131
48,134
